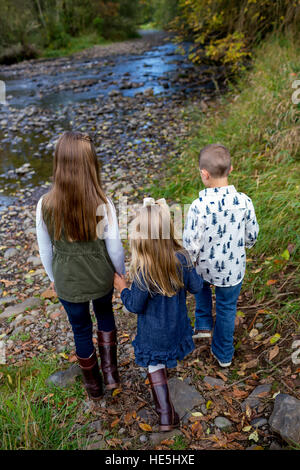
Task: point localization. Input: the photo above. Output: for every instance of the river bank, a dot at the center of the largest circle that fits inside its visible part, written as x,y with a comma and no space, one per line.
153,139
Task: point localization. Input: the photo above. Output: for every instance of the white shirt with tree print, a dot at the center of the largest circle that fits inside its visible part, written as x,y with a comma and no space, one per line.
220,224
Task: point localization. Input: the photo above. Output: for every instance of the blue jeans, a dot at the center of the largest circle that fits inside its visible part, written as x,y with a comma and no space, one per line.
81,322
226,302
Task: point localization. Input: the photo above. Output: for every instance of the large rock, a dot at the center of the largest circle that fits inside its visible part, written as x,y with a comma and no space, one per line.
285,419
64,378
20,308
185,397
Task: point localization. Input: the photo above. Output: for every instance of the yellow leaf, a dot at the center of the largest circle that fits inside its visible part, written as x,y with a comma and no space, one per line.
209,404
116,391
275,338
9,379
246,428
285,255
197,413
254,436
145,427
64,355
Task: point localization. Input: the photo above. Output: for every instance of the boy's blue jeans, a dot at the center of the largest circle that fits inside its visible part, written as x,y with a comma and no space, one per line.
226,302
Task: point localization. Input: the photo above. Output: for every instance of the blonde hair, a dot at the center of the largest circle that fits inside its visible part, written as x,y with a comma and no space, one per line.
154,264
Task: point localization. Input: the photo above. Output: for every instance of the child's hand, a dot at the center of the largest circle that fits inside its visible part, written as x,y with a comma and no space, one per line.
120,282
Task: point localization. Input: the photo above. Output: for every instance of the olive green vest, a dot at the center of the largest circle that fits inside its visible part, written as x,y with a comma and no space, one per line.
82,271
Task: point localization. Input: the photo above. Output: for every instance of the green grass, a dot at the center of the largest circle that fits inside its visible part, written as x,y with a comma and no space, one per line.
34,415
75,44
259,123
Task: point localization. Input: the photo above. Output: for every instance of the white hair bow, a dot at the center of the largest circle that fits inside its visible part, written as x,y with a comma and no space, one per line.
150,201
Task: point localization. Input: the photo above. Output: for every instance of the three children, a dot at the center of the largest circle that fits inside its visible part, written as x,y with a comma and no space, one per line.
83,256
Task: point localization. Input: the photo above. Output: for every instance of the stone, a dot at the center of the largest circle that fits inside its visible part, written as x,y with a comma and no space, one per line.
98,443
148,92
254,399
10,253
285,418
143,438
16,309
275,446
184,397
213,382
223,423
35,260
64,378
157,437
259,422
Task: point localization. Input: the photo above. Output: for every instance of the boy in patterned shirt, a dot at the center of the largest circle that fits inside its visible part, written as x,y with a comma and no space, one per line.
220,224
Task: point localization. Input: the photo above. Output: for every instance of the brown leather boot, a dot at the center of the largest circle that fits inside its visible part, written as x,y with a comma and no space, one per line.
107,342
91,375
168,418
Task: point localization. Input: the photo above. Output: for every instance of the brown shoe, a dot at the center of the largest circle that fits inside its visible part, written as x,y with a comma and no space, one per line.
91,375
168,418
107,342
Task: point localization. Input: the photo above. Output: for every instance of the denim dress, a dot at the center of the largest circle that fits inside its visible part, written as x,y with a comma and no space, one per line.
164,331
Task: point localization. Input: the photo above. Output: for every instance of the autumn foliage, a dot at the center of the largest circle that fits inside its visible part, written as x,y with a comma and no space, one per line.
225,30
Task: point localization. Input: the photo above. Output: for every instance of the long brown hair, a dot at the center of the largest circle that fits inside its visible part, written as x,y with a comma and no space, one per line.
76,192
154,262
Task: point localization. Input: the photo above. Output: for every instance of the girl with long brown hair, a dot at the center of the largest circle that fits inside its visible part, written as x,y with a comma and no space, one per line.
162,273
80,248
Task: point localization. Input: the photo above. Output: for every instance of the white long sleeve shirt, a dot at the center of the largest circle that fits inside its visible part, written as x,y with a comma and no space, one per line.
111,237
219,225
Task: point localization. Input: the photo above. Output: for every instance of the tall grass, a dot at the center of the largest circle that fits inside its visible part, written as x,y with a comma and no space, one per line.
34,415
259,123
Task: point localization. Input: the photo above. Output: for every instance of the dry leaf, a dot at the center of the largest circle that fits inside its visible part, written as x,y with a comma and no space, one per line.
49,294
167,442
145,427
273,353
115,422
116,392
239,393
270,282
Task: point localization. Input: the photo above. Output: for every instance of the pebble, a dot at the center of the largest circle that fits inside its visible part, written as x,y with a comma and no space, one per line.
223,423
10,253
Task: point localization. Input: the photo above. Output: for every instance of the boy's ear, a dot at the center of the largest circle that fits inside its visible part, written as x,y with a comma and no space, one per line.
205,173
231,168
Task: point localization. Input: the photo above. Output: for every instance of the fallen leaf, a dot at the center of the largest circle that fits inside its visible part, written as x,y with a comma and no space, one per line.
285,255
145,427
49,294
275,338
273,353
116,392
270,282
253,333
115,422
167,442
254,436
239,393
